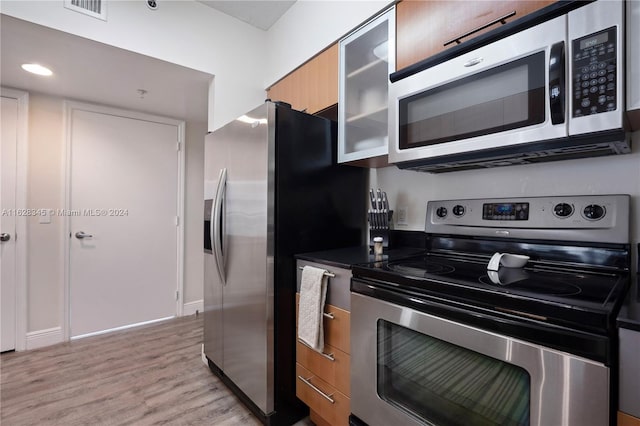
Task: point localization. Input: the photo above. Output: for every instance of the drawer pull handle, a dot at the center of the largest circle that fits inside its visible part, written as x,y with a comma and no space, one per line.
502,20
330,356
328,274
328,315
324,395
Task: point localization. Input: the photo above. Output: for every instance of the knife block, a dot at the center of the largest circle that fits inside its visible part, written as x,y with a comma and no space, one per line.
381,232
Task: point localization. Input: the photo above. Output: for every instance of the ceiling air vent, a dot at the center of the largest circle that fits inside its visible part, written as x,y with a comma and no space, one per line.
95,8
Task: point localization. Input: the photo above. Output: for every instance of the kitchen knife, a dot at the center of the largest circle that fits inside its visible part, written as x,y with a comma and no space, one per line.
385,210
379,198
373,199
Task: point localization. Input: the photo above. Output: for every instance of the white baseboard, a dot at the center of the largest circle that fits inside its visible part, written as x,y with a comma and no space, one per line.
190,308
204,357
46,337
51,336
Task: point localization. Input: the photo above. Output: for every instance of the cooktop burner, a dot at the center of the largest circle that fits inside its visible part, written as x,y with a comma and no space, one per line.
519,279
420,268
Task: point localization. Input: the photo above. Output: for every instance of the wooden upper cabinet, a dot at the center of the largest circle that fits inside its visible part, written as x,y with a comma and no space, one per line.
424,26
627,420
311,87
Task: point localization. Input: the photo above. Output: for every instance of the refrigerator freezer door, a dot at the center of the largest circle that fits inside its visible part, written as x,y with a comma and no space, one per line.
215,161
248,250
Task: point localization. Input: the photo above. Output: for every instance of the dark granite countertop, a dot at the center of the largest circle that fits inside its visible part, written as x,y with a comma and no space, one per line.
347,257
403,243
629,316
341,258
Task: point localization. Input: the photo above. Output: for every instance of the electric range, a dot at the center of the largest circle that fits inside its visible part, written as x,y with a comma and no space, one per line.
558,309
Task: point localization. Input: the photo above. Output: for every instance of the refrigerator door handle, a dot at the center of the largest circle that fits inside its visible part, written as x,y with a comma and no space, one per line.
217,231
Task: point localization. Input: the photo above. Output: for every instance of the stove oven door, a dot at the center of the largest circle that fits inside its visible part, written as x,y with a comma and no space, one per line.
411,367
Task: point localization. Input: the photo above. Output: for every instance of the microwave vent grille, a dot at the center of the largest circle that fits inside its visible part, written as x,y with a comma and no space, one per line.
484,160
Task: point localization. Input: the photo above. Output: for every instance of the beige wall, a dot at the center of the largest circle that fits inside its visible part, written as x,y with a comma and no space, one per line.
45,286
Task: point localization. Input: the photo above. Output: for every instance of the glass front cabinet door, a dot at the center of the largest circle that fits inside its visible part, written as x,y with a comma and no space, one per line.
367,57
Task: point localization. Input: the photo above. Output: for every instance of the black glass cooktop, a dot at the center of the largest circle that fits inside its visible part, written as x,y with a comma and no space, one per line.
560,295
574,287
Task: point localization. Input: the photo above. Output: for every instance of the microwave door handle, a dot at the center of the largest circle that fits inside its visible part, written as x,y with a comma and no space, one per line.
217,220
557,87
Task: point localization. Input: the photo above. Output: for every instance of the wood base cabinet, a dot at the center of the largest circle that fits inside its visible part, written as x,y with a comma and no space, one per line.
323,380
325,400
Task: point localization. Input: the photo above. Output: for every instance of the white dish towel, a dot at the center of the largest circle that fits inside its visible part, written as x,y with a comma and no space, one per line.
313,291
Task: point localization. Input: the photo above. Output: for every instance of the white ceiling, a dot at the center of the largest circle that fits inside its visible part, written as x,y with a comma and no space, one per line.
90,71
261,14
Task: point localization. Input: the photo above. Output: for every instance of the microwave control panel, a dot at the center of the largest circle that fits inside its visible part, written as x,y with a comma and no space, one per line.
594,73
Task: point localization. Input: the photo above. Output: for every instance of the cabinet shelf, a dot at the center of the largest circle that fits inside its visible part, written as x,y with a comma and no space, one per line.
377,115
369,66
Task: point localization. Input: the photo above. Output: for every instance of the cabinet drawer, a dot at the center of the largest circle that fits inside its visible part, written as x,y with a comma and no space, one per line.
337,326
333,367
332,405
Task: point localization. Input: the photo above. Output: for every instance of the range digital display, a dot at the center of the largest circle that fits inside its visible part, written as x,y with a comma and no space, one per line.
504,208
505,211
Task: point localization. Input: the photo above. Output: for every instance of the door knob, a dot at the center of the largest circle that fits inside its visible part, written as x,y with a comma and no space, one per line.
5,237
80,235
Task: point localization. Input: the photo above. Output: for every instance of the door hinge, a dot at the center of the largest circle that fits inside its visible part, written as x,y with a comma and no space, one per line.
177,220
177,295
178,146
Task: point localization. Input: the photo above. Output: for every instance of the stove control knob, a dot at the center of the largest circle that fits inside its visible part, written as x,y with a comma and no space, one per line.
563,210
441,212
593,212
458,210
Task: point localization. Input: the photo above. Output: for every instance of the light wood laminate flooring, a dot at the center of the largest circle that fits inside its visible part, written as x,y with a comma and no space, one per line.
147,375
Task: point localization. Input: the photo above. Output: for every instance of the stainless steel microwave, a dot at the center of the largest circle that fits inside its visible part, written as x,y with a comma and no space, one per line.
552,91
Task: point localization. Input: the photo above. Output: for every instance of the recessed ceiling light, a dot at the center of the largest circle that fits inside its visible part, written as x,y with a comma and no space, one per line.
37,69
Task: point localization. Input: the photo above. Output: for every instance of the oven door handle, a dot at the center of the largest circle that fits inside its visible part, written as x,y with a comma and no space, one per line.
557,92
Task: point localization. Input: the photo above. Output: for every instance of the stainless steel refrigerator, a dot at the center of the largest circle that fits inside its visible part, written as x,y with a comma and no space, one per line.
272,189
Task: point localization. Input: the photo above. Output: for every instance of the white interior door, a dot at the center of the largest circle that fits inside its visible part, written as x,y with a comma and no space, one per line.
124,197
8,151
